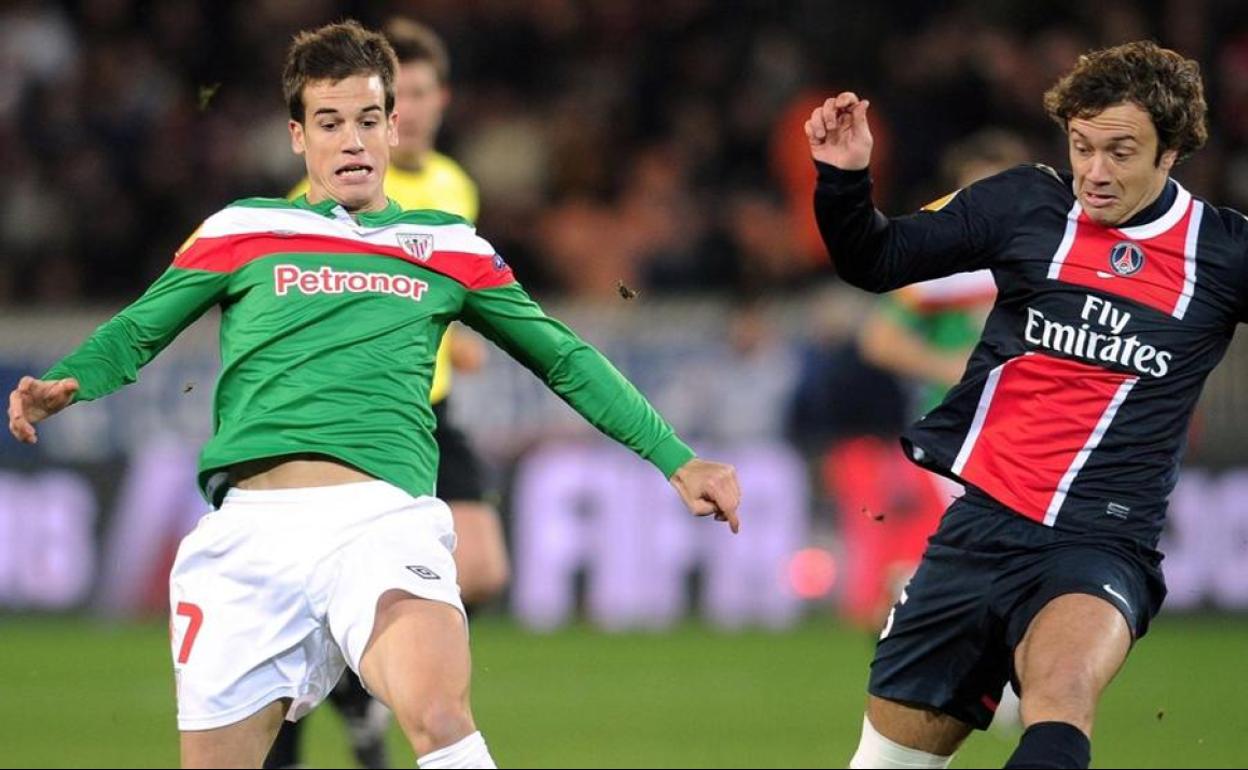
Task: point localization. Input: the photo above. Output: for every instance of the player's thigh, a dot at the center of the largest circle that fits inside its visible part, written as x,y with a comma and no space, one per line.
1072,649
242,744
418,653
917,727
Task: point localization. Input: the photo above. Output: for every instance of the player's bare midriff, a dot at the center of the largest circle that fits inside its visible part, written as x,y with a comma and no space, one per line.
294,471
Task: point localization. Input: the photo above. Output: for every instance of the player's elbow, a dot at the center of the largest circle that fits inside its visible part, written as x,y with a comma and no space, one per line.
863,277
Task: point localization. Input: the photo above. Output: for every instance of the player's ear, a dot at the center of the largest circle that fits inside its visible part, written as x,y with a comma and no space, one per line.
1167,159
392,129
297,137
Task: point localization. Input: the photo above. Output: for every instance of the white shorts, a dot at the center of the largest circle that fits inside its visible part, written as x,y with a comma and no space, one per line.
274,594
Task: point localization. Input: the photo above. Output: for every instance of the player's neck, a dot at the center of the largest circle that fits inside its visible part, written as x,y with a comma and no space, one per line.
378,203
1152,205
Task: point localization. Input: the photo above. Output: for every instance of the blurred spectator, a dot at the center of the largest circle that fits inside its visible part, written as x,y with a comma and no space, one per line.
612,141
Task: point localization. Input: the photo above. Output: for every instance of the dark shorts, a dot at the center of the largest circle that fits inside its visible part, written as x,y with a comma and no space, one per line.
986,573
459,468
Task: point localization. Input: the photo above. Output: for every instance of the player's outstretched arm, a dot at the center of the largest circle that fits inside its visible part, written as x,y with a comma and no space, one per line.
879,254
709,488
35,400
587,381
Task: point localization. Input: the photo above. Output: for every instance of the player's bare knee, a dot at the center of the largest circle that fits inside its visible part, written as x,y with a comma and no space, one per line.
1065,699
436,721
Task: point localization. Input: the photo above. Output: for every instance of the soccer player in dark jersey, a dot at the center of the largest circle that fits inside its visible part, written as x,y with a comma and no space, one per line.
328,548
1118,292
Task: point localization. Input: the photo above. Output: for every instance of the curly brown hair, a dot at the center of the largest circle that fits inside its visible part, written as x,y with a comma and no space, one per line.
1162,82
335,52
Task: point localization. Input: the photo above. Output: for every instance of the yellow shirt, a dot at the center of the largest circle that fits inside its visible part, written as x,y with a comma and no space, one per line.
441,184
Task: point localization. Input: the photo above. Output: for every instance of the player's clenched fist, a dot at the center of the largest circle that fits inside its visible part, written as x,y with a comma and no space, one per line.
709,488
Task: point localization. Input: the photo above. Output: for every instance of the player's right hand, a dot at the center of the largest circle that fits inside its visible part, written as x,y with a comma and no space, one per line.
709,489
838,132
34,400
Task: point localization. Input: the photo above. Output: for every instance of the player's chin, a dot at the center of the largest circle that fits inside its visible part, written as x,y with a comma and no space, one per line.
354,197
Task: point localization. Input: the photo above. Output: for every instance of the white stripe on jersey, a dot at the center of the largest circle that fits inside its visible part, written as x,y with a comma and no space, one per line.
1068,240
244,220
981,414
1077,464
1189,260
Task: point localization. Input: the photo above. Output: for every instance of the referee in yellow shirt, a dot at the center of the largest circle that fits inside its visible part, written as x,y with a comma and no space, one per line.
419,177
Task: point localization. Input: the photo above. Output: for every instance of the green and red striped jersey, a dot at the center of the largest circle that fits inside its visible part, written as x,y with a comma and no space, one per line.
329,329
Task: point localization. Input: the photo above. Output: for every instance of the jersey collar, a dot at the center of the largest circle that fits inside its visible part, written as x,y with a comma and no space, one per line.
331,209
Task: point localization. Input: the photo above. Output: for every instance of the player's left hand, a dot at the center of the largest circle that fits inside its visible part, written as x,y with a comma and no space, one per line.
34,400
709,488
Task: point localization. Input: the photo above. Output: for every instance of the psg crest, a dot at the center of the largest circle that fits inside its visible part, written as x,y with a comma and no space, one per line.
1126,258
419,245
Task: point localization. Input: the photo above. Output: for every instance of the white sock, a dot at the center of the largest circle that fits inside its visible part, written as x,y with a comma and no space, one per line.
467,752
877,752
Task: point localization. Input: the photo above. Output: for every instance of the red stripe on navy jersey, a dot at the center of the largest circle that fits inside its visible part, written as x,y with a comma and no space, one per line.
1157,282
1032,427
227,254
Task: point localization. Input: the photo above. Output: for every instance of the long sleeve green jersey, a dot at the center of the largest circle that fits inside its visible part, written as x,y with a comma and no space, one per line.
329,329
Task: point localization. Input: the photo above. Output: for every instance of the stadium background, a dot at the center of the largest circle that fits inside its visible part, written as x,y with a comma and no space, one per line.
654,145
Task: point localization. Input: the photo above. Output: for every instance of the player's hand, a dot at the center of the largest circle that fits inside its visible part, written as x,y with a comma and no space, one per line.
34,400
709,488
839,134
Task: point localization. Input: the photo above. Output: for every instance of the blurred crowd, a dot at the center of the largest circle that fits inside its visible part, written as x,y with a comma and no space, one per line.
654,144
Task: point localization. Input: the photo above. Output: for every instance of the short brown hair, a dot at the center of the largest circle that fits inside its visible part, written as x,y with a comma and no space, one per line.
414,42
1162,82
335,52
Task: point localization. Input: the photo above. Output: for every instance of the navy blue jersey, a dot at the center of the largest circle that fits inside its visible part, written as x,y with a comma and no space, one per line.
1074,406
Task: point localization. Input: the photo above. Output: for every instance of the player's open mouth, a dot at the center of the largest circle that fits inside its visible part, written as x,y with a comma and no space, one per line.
354,171
1097,200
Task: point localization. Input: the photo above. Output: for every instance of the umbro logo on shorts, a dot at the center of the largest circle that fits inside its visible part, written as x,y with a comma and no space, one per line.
424,572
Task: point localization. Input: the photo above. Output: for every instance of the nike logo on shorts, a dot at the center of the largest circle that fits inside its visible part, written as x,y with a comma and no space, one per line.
1109,589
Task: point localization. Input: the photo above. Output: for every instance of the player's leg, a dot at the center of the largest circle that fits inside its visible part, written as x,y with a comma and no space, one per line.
1071,651
397,616
941,661
480,551
242,744
417,662
898,735
248,594
1085,604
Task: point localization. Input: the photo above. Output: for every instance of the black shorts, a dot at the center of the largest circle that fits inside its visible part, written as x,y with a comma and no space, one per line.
459,469
987,571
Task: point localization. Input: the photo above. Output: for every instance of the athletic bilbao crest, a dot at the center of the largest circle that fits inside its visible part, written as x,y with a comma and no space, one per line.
419,245
1126,258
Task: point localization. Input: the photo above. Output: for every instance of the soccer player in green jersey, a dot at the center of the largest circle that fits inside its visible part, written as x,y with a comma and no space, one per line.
326,548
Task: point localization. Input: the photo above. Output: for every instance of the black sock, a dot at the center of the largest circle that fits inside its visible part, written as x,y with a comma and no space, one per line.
350,697
285,749
1052,744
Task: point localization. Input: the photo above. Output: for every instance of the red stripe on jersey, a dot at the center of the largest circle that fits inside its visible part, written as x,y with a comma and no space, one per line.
1160,279
1038,419
229,253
